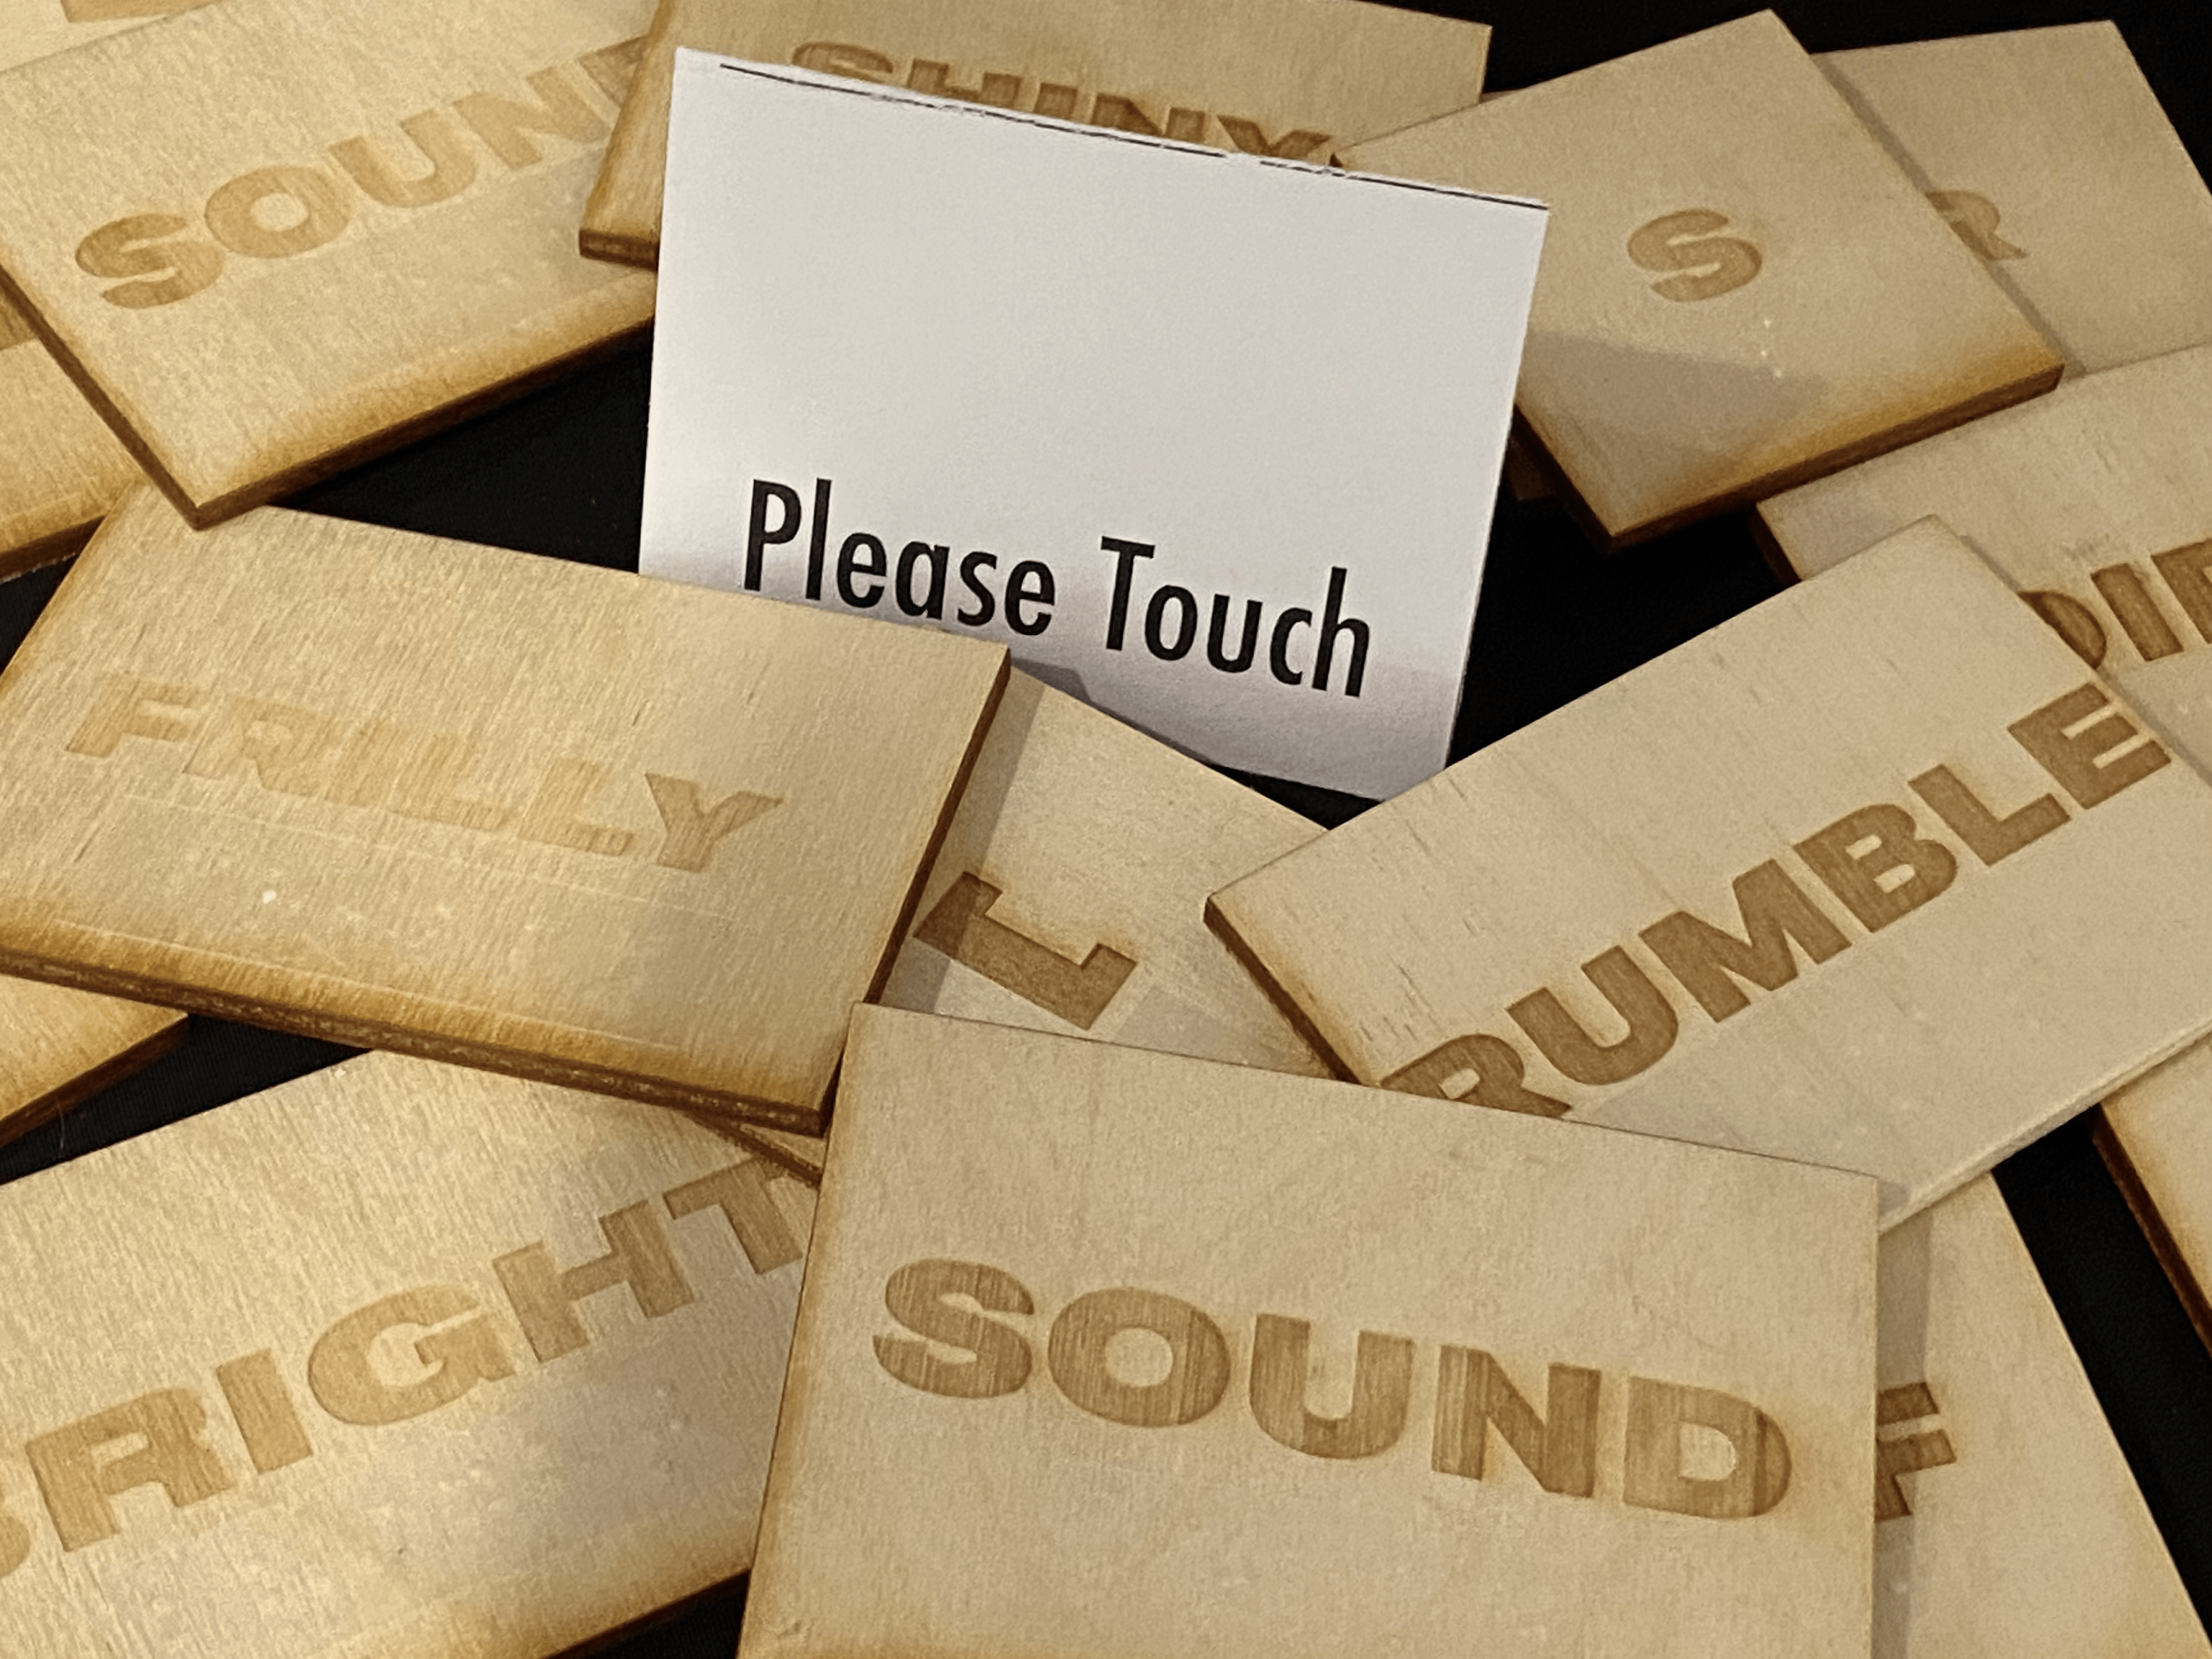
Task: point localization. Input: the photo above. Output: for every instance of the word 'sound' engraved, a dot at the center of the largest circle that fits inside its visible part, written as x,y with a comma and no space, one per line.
1712,266
281,212
1877,862
1120,110
414,774
960,926
1474,1397
2129,601
163,1439
1905,1453
1974,216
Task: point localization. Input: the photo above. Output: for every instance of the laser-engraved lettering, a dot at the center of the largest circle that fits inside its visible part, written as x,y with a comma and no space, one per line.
1562,1040
693,828
168,1428
1711,265
1382,1387
1482,1070
2072,621
1905,1453
999,91
1474,1394
1298,144
741,1194
2182,569
505,123
2147,630
261,1405
960,926
1974,216
1198,1358
316,211
1652,1477
129,707
459,1349
428,785
1988,837
556,814
150,247
1775,913
2092,759
453,165
544,1297
1877,862
285,746
920,1297
834,58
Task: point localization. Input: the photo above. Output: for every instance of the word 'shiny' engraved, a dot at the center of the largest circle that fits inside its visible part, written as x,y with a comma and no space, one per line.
960,926
1710,265
1877,862
169,263
163,1439
1906,1454
2129,600
1974,216
415,775
938,1300
1121,112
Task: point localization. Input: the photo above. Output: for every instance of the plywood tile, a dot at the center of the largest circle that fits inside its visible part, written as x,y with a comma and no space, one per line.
1043,1477
2156,1136
58,1046
526,815
2006,1519
1831,881
395,1360
270,236
1740,290
1283,77
2049,154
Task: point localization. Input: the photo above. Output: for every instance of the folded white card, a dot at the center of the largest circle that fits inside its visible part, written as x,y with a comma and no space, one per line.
1209,439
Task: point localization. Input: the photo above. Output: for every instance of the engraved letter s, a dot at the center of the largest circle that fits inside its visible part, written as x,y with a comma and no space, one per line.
135,247
1712,266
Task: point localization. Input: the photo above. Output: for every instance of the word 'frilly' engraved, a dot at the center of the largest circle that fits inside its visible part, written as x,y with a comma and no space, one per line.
1710,265
1876,861
1905,1454
313,206
1974,216
1119,110
1558,1447
415,775
163,1439
2129,600
960,926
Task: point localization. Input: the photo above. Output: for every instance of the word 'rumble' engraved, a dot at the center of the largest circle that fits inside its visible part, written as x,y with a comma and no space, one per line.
960,926
1876,862
415,775
1558,1446
1120,110
313,206
1905,1454
1711,265
163,1439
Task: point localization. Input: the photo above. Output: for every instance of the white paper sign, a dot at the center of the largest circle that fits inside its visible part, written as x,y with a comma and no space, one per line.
1209,439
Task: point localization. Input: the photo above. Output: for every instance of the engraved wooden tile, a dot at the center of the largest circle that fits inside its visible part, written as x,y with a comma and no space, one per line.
536,817
2006,1519
1103,1351
1866,876
2156,1136
1740,290
2048,153
1298,78
451,1364
58,1046
270,236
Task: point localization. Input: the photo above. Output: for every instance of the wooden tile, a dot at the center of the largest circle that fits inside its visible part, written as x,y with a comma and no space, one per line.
2006,1519
2049,154
1866,876
230,227
2154,1136
450,1364
1740,289
1281,78
31,29
1044,1477
59,1046
531,816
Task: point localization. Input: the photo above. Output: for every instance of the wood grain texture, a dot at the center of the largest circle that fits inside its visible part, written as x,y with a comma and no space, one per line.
2155,1137
329,1373
59,1046
1741,290
31,29
531,816
2008,1521
1831,882
1227,1484
269,237
1295,78
2049,154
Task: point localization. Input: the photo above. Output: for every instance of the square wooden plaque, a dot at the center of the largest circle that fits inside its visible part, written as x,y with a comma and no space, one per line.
1867,876
398,1359
1298,78
271,236
532,816
2047,151
1105,1353
1741,290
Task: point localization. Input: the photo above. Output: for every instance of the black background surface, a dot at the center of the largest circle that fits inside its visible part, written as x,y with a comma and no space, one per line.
560,473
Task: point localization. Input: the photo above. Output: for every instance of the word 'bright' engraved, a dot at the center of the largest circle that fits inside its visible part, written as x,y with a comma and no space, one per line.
1710,265
960,926
1905,1454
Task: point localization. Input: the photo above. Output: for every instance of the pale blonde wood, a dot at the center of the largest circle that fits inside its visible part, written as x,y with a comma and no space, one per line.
1332,71
525,815
289,338
58,1046
2154,1135
803,1155
1826,312
1020,1523
1918,1029
2048,152
32,29
475,1481
2009,1524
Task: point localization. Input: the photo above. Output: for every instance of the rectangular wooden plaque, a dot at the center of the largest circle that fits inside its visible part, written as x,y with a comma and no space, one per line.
270,236
532,816
1105,1353
1869,876
1295,78
2047,151
447,1363
1741,290
2005,1520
